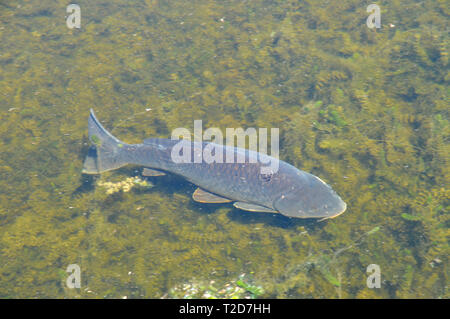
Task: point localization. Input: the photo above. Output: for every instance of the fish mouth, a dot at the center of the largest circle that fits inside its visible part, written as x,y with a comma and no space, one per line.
341,211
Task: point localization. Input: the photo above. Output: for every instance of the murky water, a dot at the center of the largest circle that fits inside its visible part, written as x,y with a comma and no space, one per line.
364,109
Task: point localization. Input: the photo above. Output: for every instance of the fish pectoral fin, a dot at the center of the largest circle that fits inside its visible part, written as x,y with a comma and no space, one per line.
152,172
202,196
253,207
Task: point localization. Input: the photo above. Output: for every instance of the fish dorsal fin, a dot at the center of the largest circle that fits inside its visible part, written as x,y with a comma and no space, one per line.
253,207
152,172
203,196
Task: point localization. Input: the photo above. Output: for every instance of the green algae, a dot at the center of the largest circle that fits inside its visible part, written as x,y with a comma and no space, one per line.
250,287
409,217
365,110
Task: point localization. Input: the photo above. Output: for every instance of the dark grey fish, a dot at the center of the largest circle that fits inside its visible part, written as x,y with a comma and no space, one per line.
288,190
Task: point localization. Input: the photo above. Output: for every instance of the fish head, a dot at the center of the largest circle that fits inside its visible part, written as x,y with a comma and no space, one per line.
310,197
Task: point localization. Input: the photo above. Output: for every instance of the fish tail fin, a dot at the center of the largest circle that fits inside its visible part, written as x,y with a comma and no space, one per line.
105,154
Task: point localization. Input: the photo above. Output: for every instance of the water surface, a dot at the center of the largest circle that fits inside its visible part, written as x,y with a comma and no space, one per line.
364,109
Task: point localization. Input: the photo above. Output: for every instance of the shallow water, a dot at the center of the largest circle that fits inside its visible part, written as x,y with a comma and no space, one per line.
364,109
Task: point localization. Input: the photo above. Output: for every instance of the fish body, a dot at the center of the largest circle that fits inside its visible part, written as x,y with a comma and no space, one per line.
287,190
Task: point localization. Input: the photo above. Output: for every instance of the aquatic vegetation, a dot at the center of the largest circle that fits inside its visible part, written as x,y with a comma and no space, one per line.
365,110
253,289
125,185
237,289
